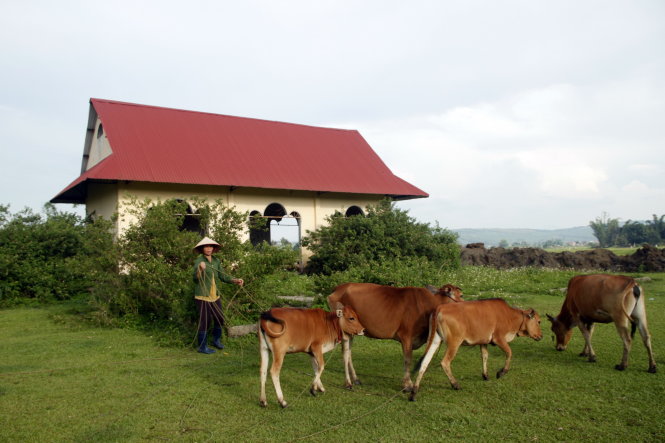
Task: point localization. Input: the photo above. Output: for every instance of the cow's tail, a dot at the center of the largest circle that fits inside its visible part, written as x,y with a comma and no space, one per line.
637,292
336,296
266,319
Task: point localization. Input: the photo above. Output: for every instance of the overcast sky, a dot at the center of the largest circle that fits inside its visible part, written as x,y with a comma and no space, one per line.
510,114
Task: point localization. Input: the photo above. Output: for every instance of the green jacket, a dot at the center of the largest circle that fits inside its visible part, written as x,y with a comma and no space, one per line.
212,277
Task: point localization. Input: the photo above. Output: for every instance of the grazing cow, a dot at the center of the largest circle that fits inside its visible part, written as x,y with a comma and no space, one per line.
391,313
603,298
314,331
480,322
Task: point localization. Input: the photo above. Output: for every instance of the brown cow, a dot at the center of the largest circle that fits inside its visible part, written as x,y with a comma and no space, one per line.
471,323
603,298
313,331
391,313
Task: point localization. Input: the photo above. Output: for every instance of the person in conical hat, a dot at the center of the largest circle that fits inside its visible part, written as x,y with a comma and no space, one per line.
208,277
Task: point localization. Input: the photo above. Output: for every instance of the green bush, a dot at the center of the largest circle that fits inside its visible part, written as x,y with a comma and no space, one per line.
384,234
155,284
40,256
408,271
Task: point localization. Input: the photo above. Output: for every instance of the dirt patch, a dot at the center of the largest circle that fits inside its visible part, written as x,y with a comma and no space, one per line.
645,259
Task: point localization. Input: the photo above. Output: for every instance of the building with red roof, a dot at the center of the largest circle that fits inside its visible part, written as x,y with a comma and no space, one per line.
266,168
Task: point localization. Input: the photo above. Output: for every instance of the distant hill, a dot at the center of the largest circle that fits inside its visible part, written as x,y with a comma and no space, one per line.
533,237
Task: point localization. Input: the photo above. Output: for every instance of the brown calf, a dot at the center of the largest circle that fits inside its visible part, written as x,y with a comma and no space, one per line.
603,298
471,323
313,331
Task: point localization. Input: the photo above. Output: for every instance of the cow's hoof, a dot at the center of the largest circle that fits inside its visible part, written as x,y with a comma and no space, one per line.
412,397
620,367
485,377
349,387
283,404
456,386
592,359
652,370
357,382
263,403
312,391
501,373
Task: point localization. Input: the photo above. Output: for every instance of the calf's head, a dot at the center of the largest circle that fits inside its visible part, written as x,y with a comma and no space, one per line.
450,294
348,320
531,325
562,333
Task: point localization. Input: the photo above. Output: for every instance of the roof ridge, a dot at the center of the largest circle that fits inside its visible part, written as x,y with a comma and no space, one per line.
167,108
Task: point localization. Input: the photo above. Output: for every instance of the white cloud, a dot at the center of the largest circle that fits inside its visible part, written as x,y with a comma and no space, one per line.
526,153
562,173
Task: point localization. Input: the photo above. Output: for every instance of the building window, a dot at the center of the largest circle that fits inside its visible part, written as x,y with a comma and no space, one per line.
192,219
354,210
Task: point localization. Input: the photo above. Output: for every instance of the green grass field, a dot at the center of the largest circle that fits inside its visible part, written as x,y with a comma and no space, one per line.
61,380
617,250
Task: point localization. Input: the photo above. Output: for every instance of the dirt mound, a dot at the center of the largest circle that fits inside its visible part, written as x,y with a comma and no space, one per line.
647,258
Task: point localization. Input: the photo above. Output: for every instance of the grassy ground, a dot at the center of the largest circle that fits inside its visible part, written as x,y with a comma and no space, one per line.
616,250
63,381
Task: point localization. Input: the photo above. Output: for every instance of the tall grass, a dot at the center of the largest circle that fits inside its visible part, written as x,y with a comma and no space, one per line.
61,380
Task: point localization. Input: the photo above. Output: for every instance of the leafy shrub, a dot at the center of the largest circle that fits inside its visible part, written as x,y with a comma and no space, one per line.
408,271
385,233
155,285
40,256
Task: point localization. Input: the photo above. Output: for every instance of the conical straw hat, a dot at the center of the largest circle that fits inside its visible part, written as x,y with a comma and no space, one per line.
207,241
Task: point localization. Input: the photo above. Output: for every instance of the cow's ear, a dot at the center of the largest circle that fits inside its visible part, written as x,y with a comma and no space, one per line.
339,310
531,313
340,313
550,318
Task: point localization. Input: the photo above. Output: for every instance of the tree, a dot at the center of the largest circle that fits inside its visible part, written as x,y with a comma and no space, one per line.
656,229
385,233
634,233
606,230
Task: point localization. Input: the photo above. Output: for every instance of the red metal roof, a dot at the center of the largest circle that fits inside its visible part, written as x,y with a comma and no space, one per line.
163,145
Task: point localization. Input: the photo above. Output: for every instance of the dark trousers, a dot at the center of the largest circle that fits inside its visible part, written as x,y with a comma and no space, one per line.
209,311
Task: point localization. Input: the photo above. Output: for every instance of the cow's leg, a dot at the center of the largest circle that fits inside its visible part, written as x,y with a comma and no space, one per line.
350,377
640,317
483,356
448,357
624,333
407,350
263,371
509,355
646,339
586,351
277,360
586,333
317,365
426,359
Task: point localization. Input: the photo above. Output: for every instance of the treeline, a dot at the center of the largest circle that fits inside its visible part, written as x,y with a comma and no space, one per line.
610,232
145,277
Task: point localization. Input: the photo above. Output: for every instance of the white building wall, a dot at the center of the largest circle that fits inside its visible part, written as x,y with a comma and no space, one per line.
313,208
99,146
